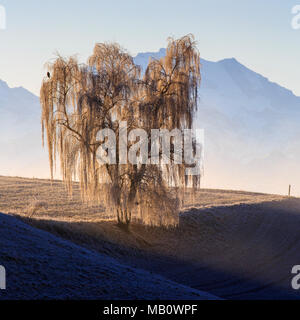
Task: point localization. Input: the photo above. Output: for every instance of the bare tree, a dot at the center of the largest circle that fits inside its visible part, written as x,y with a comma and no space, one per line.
80,100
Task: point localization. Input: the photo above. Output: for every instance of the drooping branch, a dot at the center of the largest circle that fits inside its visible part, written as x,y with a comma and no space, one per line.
80,100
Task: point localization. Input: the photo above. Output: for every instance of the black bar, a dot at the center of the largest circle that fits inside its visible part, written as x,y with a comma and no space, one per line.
90,310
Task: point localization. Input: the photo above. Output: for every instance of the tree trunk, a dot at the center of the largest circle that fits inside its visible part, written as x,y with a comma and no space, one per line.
124,218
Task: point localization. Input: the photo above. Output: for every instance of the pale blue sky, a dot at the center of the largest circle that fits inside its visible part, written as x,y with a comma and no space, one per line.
257,33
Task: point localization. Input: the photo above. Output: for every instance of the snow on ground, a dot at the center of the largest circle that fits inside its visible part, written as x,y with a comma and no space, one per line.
42,266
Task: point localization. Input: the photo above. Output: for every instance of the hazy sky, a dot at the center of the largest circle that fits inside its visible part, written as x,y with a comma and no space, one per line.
257,33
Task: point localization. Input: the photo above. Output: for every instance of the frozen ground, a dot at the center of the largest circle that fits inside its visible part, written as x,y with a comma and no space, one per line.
232,244
42,266
244,251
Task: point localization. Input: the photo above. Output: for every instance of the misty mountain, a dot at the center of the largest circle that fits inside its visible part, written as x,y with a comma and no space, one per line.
251,129
21,152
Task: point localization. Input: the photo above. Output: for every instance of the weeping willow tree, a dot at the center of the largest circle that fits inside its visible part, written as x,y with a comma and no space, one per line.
80,100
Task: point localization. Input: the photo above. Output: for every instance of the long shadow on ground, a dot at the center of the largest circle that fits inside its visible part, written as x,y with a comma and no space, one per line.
234,252
40,265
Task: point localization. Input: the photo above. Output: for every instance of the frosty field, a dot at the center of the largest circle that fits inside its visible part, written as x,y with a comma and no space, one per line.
229,244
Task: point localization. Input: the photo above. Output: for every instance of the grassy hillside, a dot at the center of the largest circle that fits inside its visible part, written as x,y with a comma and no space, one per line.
20,195
231,244
42,266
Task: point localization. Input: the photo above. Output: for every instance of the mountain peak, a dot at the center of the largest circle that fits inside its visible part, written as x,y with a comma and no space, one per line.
229,61
3,84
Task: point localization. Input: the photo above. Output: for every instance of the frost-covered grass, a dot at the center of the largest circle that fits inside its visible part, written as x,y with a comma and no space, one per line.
20,195
232,244
40,265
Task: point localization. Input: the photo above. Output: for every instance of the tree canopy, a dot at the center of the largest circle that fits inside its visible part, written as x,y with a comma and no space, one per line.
80,100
